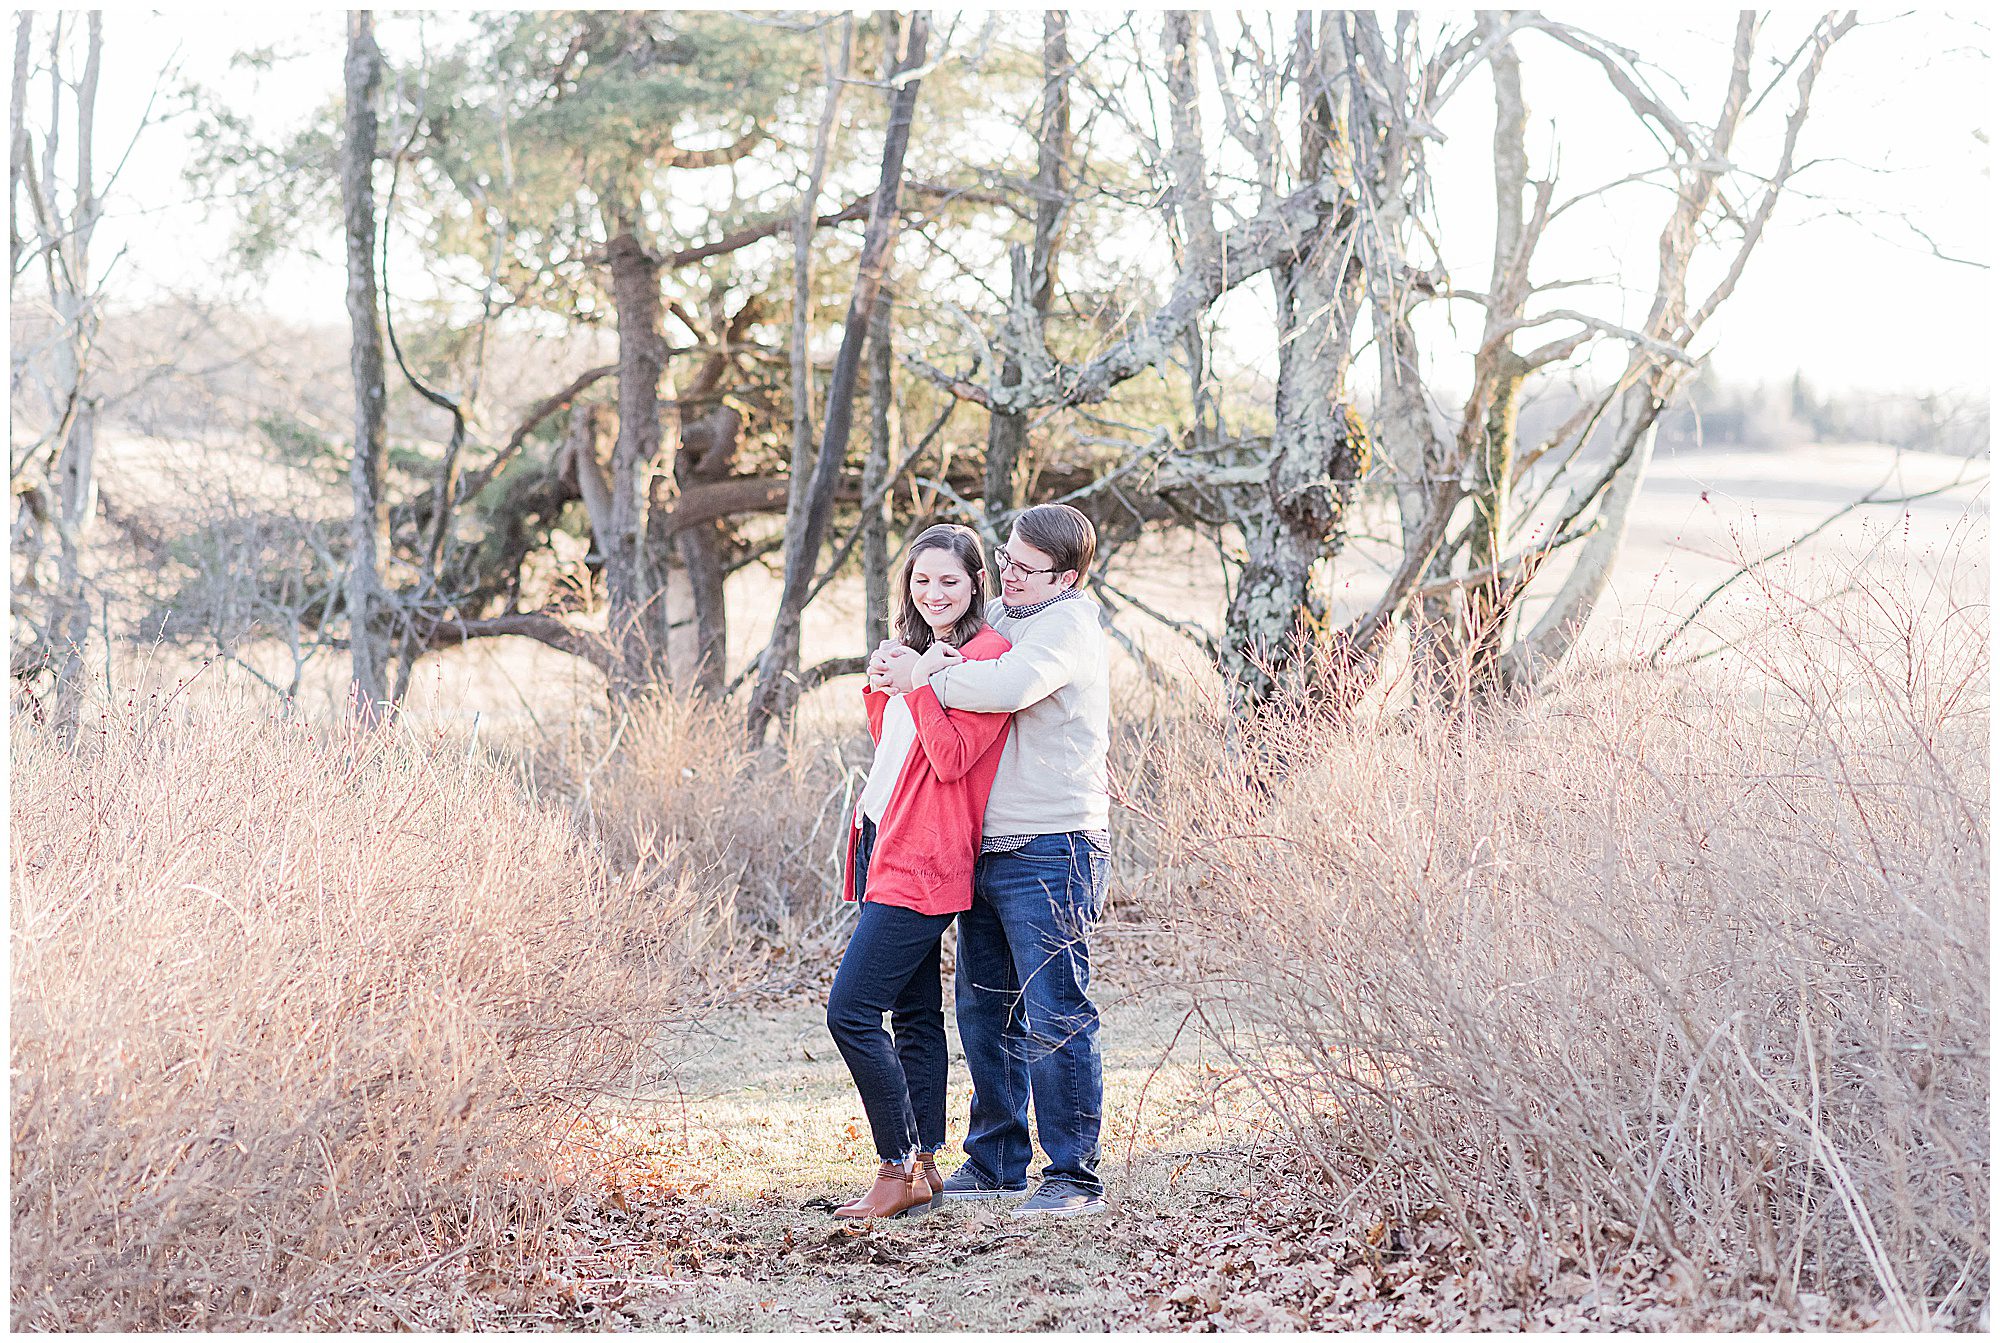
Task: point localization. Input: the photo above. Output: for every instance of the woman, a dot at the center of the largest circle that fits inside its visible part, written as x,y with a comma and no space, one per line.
911,853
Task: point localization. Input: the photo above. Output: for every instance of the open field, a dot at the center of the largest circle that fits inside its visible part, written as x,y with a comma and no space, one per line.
1659,1004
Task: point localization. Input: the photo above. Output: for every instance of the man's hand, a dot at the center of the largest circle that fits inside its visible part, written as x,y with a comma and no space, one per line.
939,654
879,658
890,668
878,665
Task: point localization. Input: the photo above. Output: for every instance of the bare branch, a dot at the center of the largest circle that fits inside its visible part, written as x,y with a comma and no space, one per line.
542,626
820,673
712,158
739,239
1659,348
1867,500
1609,56
1247,250
1187,629
1825,35
1509,567
475,481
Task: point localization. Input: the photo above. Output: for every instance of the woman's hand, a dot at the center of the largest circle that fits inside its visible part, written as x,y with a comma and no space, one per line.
938,655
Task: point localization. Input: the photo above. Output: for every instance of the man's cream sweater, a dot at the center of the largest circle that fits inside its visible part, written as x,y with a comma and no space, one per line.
1056,682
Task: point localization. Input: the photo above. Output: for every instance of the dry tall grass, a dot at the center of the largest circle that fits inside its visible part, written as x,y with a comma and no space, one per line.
671,786
1681,971
297,1017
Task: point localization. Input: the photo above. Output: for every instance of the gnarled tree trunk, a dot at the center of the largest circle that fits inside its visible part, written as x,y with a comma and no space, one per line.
1319,448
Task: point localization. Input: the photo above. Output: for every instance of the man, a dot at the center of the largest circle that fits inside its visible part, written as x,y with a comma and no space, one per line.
1024,1011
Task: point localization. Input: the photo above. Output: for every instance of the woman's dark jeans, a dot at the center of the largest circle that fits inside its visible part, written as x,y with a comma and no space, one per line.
892,966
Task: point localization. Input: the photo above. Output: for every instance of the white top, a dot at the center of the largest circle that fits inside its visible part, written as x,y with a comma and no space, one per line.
1056,681
899,734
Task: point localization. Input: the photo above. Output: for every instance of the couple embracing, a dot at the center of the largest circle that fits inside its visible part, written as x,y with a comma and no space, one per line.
985,803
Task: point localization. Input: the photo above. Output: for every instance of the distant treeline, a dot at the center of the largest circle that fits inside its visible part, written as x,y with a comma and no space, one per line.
1716,412
1793,411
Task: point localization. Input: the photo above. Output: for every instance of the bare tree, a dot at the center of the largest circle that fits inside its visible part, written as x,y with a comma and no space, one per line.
836,61
1464,574
368,604
875,477
17,139
778,682
1659,360
1468,581
54,478
1033,271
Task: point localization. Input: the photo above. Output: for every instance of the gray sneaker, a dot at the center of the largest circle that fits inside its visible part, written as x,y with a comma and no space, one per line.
1060,1200
965,1183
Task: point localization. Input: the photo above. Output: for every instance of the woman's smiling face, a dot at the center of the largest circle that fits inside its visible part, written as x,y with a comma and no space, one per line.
940,587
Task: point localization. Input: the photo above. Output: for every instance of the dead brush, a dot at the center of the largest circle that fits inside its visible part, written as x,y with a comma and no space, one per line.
1676,972
299,1019
669,783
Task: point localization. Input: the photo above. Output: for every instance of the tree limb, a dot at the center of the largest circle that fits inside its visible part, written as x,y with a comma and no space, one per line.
749,233
542,626
1642,100
1187,629
1248,250
475,481
820,673
713,158
1512,564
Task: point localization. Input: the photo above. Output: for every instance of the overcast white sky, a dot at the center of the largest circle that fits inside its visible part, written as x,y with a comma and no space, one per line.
1843,289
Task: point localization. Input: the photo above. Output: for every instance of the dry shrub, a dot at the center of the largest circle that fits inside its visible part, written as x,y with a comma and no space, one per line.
1681,970
298,1017
671,784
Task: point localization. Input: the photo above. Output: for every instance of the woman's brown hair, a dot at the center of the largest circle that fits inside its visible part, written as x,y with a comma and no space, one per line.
962,542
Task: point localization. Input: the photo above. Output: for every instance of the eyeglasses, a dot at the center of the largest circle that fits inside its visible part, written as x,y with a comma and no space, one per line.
1010,565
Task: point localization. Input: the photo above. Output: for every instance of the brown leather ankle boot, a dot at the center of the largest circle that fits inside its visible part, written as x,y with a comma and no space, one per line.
927,1168
898,1191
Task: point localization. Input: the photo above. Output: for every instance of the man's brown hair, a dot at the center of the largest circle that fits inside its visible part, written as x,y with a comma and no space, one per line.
1063,534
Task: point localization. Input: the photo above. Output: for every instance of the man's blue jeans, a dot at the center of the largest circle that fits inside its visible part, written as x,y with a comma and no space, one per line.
1025,1015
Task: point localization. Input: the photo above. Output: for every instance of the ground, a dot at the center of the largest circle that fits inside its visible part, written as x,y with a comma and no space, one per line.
764,1124
717,1216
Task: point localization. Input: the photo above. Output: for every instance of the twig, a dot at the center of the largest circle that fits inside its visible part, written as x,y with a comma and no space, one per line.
1185,628
1794,544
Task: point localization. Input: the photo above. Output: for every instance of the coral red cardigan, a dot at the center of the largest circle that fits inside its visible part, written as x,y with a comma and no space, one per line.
928,841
